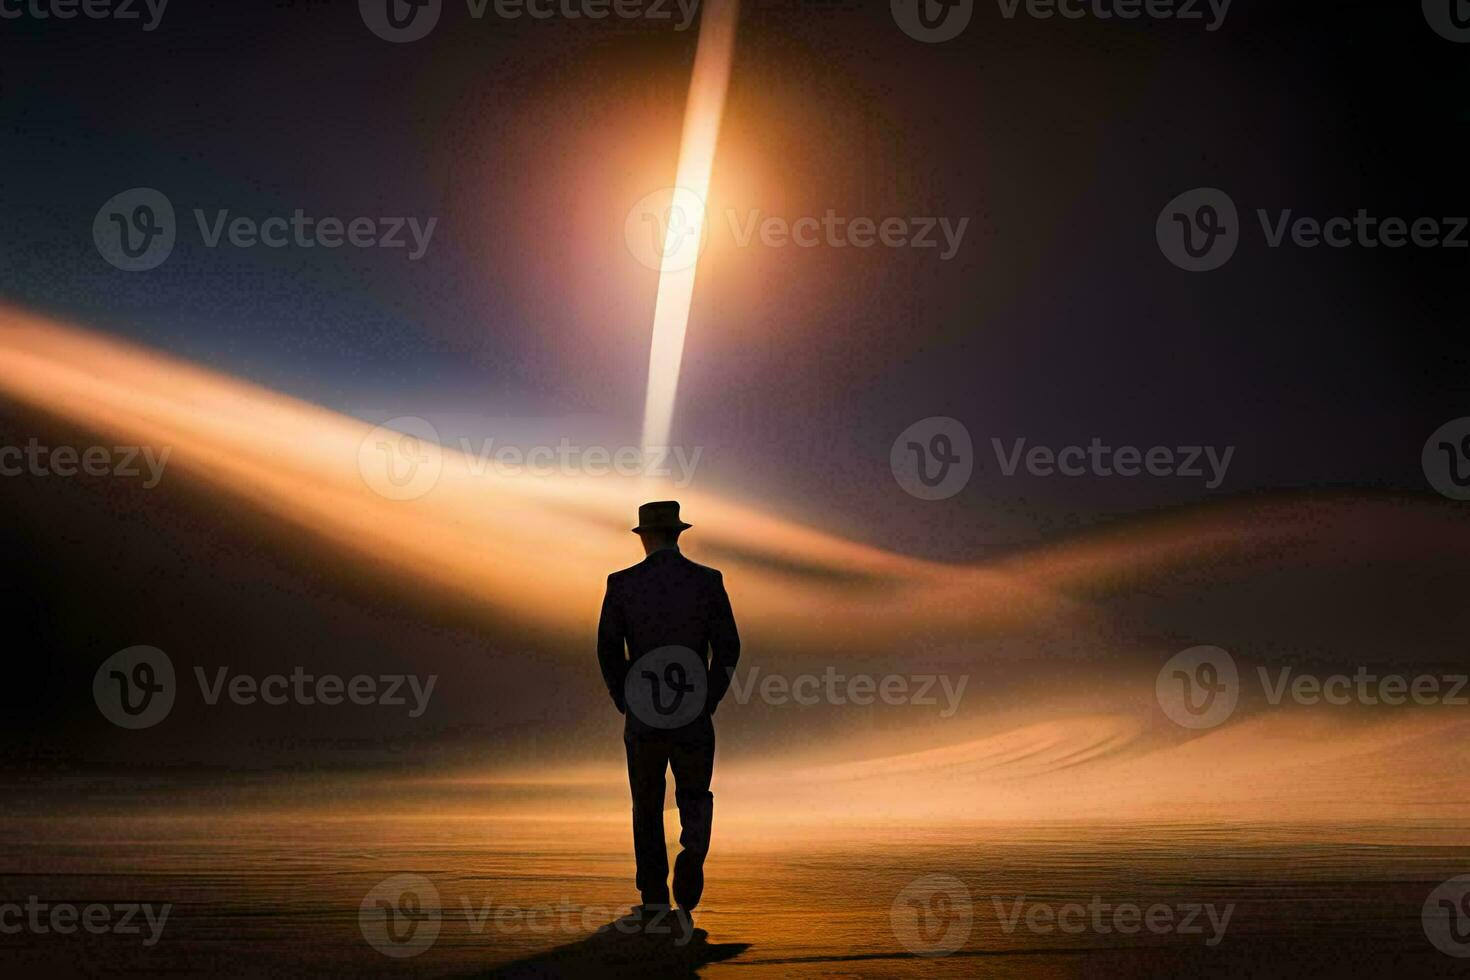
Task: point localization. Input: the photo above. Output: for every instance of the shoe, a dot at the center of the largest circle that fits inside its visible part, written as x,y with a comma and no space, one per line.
683,926
688,880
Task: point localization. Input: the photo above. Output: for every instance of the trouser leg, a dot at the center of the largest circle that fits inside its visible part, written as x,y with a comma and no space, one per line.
648,759
693,761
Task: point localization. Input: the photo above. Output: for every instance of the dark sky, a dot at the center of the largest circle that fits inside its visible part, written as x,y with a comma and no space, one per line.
1058,319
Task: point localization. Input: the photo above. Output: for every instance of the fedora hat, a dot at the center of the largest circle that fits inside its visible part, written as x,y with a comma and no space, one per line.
660,515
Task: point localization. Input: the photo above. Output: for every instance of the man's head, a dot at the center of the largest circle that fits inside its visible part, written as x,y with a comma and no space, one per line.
659,525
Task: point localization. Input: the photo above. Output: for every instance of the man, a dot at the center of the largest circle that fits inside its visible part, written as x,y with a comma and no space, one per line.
667,646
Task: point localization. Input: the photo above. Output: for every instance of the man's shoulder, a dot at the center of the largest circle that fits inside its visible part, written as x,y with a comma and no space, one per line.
706,570
676,561
623,574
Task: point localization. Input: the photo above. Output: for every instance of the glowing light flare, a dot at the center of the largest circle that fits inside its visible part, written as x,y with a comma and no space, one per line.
684,221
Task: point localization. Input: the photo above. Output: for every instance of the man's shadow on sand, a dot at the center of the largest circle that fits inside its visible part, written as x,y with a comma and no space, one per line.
619,950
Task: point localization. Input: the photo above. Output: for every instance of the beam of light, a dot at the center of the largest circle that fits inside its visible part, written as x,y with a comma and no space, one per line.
684,224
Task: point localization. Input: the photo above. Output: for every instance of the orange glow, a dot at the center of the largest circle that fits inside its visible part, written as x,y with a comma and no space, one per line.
1082,742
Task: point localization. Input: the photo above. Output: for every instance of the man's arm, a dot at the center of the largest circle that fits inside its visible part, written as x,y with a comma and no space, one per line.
610,646
724,643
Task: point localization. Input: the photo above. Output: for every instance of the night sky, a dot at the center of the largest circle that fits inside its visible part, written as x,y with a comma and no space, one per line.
1057,320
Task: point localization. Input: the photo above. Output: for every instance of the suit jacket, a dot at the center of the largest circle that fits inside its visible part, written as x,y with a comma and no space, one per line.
666,600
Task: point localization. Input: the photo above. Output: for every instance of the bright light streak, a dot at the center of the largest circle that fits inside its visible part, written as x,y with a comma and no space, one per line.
684,222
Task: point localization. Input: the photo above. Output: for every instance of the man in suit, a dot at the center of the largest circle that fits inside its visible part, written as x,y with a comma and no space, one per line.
667,646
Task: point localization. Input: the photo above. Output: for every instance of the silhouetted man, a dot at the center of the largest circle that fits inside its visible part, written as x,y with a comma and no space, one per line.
667,646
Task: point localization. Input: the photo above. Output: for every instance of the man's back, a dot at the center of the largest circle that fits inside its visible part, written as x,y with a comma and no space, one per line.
666,600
